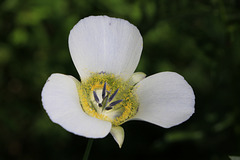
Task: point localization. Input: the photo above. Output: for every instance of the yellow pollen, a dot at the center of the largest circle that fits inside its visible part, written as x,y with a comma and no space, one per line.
119,112
98,85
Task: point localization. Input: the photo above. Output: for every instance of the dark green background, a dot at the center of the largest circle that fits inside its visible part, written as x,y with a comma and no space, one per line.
198,39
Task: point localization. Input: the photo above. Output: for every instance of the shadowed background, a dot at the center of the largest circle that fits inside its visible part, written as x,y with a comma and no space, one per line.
198,39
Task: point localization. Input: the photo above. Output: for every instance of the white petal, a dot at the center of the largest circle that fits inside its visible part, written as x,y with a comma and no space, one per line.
104,44
136,77
118,135
166,99
61,101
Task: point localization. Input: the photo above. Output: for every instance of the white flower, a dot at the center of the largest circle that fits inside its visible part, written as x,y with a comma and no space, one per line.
106,52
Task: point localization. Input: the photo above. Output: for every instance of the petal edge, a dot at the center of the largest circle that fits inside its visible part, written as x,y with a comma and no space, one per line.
166,99
61,102
105,44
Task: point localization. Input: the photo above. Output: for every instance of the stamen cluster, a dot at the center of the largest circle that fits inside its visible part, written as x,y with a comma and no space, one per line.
106,99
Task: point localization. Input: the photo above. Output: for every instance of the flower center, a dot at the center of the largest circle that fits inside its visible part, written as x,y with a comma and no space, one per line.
108,97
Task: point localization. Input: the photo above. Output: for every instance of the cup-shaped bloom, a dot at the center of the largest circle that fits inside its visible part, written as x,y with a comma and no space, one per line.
106,52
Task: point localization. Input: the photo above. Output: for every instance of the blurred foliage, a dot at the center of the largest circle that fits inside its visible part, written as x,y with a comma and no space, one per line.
198,39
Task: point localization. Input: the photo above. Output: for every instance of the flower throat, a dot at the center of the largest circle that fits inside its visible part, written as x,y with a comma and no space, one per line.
108,97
